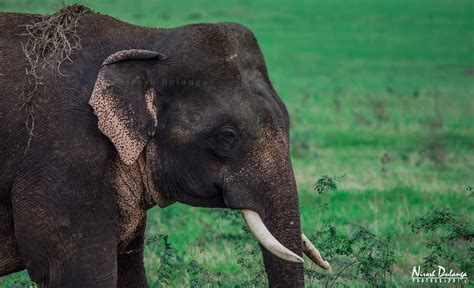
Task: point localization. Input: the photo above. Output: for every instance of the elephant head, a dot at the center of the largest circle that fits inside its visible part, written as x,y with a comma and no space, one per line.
200,107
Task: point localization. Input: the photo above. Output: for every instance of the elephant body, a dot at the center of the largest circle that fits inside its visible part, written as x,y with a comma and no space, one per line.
65,159
139,117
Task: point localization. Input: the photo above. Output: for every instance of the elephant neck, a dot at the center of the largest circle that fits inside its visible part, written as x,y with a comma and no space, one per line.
135,193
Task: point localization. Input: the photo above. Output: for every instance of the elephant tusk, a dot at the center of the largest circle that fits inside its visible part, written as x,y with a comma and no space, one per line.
313,253
260,231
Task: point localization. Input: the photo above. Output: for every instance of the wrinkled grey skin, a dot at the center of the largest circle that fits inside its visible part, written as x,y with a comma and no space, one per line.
73,213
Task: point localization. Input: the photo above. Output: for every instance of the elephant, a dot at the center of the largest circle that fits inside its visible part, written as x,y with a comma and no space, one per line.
132,118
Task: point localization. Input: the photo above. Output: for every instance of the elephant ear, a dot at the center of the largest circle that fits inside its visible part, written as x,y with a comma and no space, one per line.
123,100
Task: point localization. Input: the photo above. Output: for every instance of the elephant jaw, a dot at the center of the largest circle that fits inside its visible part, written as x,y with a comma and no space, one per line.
261,233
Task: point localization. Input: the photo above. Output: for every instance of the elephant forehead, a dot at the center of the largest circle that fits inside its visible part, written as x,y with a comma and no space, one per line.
222,47
211,38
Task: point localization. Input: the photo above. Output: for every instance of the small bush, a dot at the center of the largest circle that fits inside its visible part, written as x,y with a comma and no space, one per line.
448,237
356,254
170,260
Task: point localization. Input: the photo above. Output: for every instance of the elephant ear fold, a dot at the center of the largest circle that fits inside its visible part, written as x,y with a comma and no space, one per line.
123,100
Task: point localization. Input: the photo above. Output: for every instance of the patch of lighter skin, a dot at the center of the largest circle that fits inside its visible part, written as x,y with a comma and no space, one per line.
265,153
135,193
284,140
149,96
180,135
127,181
231,57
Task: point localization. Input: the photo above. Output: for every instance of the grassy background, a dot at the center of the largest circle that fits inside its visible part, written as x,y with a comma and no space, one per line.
379,91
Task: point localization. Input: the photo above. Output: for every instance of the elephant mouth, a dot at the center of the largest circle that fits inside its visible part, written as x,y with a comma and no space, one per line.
211,201
260,231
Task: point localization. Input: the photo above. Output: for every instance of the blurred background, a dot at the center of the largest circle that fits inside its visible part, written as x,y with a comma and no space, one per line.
381,100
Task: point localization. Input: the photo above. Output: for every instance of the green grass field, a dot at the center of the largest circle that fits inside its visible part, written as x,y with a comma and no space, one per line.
380,92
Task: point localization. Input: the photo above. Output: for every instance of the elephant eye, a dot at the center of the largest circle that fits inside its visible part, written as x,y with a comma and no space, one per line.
225,142
227,137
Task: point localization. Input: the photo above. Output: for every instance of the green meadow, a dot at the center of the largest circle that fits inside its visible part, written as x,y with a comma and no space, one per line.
381,96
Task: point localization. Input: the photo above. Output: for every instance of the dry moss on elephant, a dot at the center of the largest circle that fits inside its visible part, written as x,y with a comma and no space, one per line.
51,40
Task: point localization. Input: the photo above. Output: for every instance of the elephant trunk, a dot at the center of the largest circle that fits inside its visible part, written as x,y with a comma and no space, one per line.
274,220
269,204
283,221
280,235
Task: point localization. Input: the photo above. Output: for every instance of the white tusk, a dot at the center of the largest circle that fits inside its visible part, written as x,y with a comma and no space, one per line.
260,231
313,253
